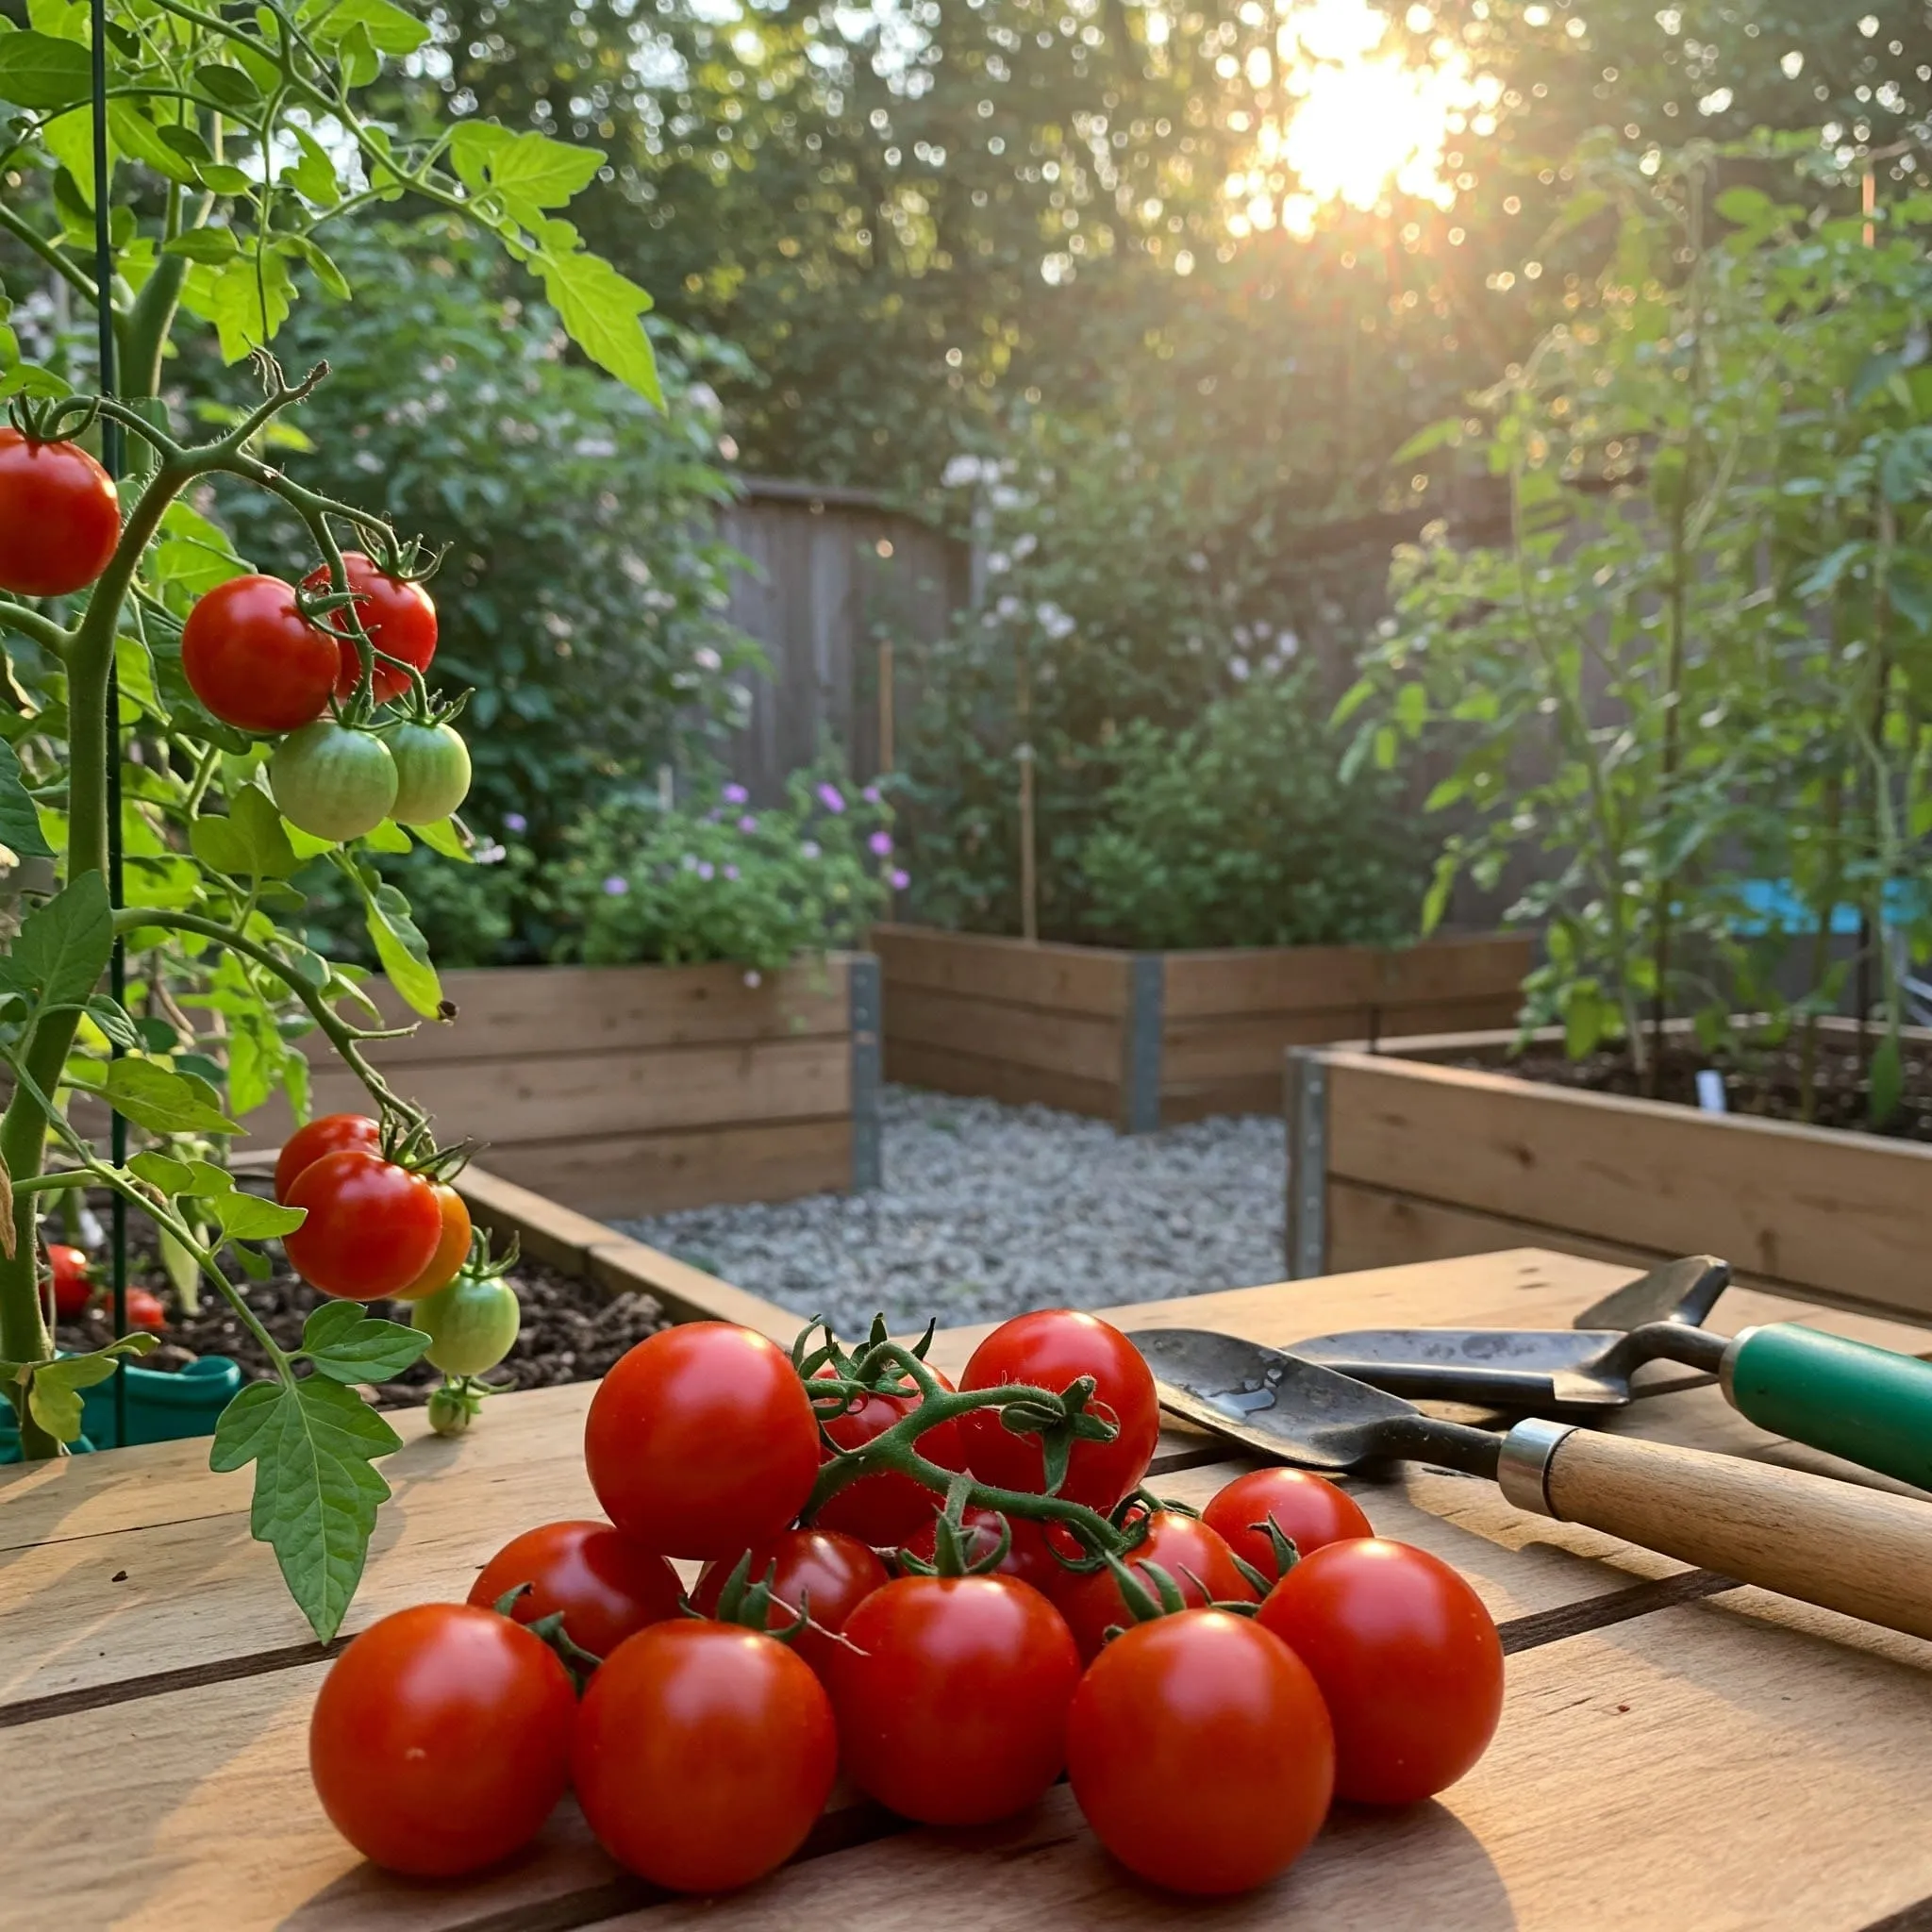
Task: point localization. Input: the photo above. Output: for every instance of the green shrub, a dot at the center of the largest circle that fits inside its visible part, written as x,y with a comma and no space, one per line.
1238,832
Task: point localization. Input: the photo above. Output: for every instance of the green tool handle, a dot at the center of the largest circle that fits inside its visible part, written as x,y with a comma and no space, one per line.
1868,1404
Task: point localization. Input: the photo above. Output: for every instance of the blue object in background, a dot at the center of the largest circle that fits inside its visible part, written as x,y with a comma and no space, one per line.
163,1406
1772,906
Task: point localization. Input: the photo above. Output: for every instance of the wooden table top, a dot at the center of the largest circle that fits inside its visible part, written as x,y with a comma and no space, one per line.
1673,1753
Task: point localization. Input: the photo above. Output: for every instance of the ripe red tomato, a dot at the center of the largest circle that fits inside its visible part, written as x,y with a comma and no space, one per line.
1407,1658
372,1228
328,1134
607,1588
1309,1512
704,1755
829,1574
452,1248
60,517
952,1696
440,1740
398,615
72,1284
1187,1549
254,660
1201,1752
1049,1349
885,1510
1028,1555
146,1310
701,1442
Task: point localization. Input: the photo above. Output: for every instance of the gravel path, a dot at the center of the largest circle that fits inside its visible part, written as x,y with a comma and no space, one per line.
987,1210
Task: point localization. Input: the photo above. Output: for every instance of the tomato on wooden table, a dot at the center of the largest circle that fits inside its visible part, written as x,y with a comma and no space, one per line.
1200,1750
396,613
60,517
253,659
1028,1556
701,1442
820,1571
1309,1512
440,1739
952,1696
1051,1349
373,1226
327,1134
1407,1660
884,1510
1195,1558
704,1755
606,1588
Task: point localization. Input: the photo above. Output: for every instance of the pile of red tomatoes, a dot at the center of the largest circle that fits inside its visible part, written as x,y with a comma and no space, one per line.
1206,1695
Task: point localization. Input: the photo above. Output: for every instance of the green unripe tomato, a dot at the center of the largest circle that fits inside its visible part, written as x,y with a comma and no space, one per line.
332,782
452,1410
432,773
472,1325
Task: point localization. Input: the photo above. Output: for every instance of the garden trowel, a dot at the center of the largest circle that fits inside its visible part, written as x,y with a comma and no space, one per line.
1863,1551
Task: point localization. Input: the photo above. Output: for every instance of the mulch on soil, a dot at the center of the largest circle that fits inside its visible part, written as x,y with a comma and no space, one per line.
1766,1081
571,1331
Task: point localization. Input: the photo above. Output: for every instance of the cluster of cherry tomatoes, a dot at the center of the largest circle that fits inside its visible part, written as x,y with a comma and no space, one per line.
1206,1693
74,1286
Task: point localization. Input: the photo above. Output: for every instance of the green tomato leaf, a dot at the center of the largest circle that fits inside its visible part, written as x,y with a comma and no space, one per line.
229,87
54,1393
348,1345
601,309
389,29
164,1102
64,947
212,245
204,1179
402,950
314,176
388,837
112,1018
20,823
252,842
162,1171
332,280
316,1493
440,835
38,70
249,1218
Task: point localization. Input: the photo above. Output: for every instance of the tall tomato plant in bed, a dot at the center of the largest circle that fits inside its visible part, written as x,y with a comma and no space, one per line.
248,139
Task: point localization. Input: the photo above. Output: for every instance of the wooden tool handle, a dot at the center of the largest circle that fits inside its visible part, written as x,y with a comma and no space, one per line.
1849,1548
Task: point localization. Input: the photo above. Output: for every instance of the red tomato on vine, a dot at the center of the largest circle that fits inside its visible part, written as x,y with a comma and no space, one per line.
1200,1750
884,1510
396,613
74,1284
1309,1512
1048,1350
373,1226
1193,1554
605,1586
60,517
820,1570
327,1134
254,660
1028,1556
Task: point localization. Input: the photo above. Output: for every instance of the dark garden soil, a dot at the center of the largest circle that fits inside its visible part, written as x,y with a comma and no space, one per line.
1764,1081
571,1331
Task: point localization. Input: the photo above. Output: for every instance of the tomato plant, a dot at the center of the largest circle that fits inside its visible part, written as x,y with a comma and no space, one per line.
884,1510
332,781
60,517
700,1440
1201,1752
471,1324
440,1740
371,1227
1407,1660
1051,1349
1307,1509
1191,1553
254,659
603,1585
704,1755
73,1281
432,772
817,1573
396,616
329,1134
952,1695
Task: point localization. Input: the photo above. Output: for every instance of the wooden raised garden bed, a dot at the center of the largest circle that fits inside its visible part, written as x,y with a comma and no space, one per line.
632,1090
1395,1157
1145,1039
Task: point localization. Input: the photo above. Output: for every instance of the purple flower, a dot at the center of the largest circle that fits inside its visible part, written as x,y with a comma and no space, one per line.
706,870
747,824
830,797
734,794
901,880
712,816
871,794
754,977
881,843
809,849
515,822
616,886
730,871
